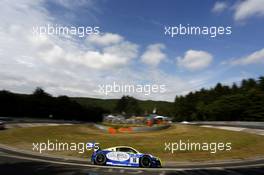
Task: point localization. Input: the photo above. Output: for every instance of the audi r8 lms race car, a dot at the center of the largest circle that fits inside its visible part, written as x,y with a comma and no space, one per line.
124,156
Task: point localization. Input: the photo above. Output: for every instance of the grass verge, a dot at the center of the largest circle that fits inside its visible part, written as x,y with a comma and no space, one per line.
244,145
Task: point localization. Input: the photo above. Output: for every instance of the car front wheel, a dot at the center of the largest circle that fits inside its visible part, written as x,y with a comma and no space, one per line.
100,159
145,162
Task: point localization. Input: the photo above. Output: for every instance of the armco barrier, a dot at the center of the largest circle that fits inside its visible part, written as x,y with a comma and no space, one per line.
242,124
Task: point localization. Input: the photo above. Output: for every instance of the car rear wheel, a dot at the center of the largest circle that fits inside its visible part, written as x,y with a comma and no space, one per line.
100,159
145,162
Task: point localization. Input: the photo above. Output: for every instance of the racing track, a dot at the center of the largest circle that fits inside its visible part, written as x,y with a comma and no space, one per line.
14,162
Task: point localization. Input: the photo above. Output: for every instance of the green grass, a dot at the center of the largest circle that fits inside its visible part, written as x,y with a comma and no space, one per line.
244,145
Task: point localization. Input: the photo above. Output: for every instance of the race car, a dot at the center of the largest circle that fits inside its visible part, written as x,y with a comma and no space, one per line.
124,156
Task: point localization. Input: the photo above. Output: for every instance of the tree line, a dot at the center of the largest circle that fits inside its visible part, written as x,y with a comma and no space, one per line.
244,102
40,104
239,102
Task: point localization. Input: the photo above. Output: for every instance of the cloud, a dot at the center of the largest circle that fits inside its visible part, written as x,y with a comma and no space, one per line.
249,8
153,54
104,40
70,4
253,58
195,60
219,7
109,57
73,67
52,61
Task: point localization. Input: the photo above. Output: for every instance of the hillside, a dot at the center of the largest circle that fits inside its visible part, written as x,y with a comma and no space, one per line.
165,108
42,105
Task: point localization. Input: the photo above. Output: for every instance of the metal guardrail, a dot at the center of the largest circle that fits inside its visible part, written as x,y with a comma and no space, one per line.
242,124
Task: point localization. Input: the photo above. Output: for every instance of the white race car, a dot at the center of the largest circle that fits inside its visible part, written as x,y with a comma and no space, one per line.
124,156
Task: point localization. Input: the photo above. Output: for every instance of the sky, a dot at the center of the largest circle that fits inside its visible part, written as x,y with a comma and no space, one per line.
131,48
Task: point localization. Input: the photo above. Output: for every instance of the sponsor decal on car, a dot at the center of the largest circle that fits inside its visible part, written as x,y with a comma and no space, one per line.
117,156
134,160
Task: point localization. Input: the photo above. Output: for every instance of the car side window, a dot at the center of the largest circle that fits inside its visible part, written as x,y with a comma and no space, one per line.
127,150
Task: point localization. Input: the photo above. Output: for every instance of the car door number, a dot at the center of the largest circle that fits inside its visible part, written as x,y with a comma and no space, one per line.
134,160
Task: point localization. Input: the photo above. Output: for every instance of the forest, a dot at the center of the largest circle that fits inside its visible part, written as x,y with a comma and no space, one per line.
40,104
242,101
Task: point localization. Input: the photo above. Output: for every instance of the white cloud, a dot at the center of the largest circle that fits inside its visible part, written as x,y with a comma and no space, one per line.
153,54
219,7
104,40
253,58
110,57
52,62
195,60
126,50
249,8
65,66
70,4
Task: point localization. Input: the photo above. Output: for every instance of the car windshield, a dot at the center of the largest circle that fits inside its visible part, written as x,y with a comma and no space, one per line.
127,150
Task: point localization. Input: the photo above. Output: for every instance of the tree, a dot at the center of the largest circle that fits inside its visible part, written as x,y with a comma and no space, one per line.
248,84
234,88
39,92
261,83
42,105
244,102
128,105
227,108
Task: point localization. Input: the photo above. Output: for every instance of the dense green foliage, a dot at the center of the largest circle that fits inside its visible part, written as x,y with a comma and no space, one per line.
143,106
244,102
42,105
237,102
128,105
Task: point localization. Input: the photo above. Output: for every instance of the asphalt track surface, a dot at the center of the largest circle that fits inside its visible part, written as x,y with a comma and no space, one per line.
23,164
13,162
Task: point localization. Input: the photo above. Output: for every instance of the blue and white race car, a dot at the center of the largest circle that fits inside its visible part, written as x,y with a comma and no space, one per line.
124,156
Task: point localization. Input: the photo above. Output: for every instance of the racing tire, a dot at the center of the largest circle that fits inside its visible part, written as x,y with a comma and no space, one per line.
100,159
145,162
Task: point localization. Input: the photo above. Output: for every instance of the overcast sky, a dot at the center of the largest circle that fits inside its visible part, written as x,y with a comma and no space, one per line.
131,48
